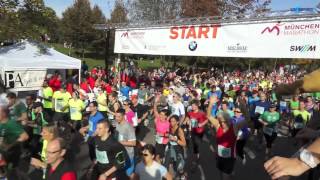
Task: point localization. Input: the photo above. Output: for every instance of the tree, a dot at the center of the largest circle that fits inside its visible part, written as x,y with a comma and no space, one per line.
119,14
77,25
26,19
200,8
152,10
98,42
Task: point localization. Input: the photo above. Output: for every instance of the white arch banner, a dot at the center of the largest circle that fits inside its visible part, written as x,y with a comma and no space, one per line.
298,39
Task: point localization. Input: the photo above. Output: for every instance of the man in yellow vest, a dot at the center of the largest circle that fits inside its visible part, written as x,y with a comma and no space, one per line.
46,97
102,102
60,102
76,106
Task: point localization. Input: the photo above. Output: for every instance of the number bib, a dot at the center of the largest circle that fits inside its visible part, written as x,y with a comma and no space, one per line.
259,110
59,104
110,116
268,131
224,152
159,139
298,125
90,126
102,157
283,104
73,111
141,101
194,123
120,137
173,143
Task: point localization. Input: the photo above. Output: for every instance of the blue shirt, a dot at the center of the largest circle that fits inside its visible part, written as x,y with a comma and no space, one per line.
93,121
245,129
265,105
125,91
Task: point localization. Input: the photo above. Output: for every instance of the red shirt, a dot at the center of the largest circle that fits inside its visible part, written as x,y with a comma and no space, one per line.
200,117
91,82
227,139
84,86
54,83
108,88
66,175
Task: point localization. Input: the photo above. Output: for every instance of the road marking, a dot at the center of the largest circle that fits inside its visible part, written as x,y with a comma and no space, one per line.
203,177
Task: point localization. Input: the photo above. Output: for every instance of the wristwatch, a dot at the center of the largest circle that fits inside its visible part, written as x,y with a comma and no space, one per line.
308,158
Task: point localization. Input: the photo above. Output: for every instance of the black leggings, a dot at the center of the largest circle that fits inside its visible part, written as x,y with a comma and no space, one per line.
240,145
196,140
270,139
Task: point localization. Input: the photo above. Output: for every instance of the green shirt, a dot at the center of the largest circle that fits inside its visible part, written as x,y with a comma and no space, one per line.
294,104
37,130
17,110
10,131
270,118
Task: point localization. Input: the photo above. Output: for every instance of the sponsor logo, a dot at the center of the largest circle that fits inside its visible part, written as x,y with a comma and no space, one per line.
125,47
275,28
237,48
133,34
292,29
193,45
194,32
152,47
125,34
304,48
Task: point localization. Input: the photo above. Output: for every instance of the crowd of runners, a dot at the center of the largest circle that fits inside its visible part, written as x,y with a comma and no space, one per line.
113,113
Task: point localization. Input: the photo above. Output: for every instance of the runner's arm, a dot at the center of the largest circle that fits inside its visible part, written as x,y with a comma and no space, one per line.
214,122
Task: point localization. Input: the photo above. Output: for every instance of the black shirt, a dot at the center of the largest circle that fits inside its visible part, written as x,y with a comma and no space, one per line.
110,153
140,110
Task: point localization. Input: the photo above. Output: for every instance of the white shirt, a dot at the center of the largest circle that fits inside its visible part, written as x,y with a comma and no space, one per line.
178,109
154,172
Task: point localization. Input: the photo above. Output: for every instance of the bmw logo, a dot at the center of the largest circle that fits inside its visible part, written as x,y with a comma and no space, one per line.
193,46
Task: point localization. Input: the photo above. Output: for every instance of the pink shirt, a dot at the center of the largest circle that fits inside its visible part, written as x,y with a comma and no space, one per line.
162,128
130,115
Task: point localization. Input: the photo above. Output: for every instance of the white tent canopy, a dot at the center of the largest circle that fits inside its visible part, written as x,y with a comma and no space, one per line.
29,55
24,65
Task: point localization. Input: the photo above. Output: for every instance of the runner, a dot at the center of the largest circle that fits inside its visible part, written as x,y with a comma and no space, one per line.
149,169
110,155
226,134
60,100
269,119
175,149
162,130
196,119
126,136
76,106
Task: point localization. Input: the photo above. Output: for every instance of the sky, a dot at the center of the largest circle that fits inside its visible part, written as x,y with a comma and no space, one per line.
107,5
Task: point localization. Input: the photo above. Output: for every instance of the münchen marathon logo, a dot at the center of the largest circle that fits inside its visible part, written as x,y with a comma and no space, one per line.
293,29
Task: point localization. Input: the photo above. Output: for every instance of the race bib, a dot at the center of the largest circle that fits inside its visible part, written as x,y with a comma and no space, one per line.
102,157
159,139
185,103
283,104
194,123
298,125
135,120
59,104
110,116
268,131
259,110
173,143
90,126
224,152
141,101
73,111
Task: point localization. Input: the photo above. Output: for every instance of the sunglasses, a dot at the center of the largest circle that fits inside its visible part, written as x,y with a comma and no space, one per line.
145,155
237,111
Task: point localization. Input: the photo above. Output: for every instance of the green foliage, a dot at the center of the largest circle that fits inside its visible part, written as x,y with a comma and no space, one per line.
26,19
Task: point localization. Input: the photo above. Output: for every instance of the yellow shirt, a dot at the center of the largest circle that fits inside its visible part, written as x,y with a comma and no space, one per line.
305,115
76,106
101,98
44,150
61,100
166,92
47,93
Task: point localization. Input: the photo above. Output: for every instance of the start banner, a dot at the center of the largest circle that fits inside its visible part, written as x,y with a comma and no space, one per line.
23,80
298,39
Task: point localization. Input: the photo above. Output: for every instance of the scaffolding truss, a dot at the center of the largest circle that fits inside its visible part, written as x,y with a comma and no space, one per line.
274,16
